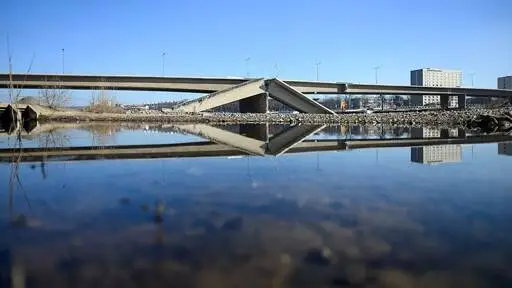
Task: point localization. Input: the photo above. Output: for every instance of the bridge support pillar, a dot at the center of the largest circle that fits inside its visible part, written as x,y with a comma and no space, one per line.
445,100
462,101
255,131
254,104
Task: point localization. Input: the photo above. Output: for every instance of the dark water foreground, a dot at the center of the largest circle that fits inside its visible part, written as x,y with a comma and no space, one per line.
433,216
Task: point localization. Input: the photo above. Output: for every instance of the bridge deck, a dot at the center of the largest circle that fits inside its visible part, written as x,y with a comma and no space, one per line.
210,85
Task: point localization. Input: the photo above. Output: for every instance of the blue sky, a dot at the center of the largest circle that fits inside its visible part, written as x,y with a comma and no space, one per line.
213,38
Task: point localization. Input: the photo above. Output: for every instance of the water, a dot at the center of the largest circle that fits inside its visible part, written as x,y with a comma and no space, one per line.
433,216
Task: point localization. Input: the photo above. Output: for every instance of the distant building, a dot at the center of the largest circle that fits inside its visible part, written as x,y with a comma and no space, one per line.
425,132
435,78
505,82
505,148
436,154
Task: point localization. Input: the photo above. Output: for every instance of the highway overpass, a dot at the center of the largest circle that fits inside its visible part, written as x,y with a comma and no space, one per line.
252,93
215,84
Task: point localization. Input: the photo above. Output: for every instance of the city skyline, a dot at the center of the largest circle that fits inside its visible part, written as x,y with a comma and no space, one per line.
205,39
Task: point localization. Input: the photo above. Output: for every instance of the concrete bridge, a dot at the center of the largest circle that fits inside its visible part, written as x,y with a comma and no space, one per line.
251,92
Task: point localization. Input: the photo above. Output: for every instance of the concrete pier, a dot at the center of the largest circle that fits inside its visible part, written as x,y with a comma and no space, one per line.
235,93
253,98
254,104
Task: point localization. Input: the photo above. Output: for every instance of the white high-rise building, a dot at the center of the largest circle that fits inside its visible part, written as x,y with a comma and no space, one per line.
505,82
435,78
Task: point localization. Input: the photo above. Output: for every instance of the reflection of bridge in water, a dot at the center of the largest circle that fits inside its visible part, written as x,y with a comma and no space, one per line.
251,140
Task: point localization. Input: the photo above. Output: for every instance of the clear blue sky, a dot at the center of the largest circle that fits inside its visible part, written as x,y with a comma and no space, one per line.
212,38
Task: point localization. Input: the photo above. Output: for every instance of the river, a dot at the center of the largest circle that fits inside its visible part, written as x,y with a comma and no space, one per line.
194,205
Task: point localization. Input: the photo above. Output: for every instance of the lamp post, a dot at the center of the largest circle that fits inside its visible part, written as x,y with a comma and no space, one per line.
247,66
163,63
317,64
472,75
377,68
62,54
277,69
317,68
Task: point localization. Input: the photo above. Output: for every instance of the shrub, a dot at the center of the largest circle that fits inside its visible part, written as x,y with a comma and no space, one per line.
103,102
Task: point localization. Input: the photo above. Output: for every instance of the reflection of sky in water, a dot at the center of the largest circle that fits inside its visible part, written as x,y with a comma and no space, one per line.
83,137
362,217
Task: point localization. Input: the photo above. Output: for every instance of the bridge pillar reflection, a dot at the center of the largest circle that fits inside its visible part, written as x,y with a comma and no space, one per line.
255,131
255,104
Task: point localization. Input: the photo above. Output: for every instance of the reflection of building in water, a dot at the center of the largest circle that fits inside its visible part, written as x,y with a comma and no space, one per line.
436,154
505,148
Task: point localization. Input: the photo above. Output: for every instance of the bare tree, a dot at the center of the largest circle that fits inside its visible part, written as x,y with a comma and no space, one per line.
54,97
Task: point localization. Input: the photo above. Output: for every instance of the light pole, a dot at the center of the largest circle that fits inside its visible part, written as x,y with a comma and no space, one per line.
377,68
317,64
277,69
317,67
163,63
247,66
62,54
472,75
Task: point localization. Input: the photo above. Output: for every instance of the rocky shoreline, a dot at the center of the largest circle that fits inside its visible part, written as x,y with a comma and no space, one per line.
432,118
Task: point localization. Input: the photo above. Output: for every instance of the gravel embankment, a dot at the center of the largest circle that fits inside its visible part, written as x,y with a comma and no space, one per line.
455,118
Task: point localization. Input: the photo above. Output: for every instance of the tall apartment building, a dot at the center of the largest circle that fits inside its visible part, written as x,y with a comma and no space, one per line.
505,82
435,78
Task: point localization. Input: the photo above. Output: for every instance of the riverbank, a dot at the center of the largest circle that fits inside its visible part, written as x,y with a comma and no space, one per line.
436,118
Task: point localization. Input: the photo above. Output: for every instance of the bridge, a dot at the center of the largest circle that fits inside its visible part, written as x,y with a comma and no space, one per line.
252,93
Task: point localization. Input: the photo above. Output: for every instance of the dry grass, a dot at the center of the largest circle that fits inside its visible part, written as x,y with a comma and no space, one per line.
103,102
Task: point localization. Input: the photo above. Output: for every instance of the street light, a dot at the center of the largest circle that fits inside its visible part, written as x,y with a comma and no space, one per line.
247,66
377,68
317,65
472,75
277,69
62,54
163,63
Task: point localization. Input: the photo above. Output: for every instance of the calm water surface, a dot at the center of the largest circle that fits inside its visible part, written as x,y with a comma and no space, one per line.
436,216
